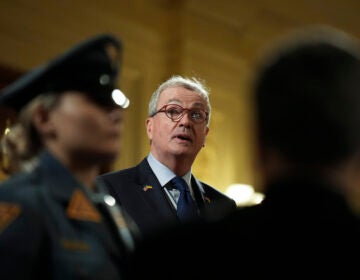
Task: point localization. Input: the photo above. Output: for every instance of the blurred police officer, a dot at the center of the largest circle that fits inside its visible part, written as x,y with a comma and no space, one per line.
56,221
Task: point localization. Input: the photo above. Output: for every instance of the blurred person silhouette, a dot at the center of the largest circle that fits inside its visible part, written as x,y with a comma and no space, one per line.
56,220
307,108
177,127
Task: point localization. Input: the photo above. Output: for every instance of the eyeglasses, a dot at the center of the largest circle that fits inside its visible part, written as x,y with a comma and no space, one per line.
176,112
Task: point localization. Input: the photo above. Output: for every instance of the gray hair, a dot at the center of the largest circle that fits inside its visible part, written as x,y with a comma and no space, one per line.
192,84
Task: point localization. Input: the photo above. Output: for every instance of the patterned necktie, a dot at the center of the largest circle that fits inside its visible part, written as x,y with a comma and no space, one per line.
186,208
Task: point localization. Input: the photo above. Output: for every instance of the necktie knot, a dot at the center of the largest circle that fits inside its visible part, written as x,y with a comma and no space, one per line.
186,207
180,184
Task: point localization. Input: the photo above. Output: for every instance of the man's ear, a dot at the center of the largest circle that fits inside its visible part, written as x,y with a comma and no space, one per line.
206,133
149,126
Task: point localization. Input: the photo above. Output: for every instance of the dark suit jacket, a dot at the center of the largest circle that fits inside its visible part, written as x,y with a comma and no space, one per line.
139,192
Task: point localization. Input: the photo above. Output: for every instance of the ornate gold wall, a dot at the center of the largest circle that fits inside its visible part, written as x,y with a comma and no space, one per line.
217,41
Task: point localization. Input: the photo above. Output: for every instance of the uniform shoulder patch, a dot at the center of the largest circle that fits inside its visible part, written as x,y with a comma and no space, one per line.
80,208
8,213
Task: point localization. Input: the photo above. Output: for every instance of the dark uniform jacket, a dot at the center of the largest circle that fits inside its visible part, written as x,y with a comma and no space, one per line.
51,229
139,192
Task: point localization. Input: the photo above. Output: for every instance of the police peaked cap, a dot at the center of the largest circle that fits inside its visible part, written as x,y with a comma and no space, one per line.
91,67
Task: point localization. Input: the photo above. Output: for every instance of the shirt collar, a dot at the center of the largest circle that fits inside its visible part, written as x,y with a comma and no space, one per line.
163,173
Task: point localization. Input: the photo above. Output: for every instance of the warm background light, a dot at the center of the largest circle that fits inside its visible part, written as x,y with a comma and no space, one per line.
244,194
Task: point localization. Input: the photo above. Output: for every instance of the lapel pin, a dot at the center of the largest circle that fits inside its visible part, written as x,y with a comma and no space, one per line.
146,188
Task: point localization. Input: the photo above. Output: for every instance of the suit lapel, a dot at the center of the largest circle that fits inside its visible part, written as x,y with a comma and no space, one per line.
202,198
199,192
151,192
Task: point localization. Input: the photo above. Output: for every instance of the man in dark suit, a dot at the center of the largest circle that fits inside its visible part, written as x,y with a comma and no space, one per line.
307,101
177,126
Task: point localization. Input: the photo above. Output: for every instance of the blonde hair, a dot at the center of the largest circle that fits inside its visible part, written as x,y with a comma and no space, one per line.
22,144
